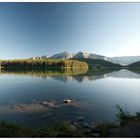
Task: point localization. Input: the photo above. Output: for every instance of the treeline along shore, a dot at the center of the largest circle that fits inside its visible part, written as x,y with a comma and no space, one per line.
63,63
49,63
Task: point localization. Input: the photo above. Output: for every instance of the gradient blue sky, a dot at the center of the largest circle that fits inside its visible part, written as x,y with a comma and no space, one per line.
35,29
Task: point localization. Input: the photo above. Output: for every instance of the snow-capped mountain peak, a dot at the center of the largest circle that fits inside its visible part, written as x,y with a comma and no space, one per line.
63,55
67,55
82,55
124,60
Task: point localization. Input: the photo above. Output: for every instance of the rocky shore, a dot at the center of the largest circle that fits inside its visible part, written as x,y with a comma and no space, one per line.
128,126
79,128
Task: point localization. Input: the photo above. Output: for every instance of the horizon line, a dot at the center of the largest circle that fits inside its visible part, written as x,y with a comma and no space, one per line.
68,52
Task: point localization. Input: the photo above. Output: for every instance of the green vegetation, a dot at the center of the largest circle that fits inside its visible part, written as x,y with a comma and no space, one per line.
98,63
135,70
63,129
135,65
107,127
29,63
126,124
67,63
53,63
13,130
123,115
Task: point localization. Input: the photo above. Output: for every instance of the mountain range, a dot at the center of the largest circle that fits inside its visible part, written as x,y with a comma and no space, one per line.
122,60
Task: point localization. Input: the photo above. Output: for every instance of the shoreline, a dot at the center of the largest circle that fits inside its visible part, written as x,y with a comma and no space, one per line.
129,126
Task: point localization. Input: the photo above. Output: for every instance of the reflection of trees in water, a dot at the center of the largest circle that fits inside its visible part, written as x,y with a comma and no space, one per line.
93,74
78,74
136,70
125,73
103,73
45,72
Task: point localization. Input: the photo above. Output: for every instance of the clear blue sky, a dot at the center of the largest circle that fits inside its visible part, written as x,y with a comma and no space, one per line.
35,29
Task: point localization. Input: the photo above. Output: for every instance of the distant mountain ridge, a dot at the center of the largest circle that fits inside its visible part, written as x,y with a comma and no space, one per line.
122,60
66,55
63,55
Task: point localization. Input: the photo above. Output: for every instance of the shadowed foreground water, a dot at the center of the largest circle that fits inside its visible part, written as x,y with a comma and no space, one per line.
35,97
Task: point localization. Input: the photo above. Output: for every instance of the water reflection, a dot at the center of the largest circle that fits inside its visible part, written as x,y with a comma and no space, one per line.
77,74
44,72
93,93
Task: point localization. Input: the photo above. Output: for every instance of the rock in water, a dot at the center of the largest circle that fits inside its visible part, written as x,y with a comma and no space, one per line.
67,101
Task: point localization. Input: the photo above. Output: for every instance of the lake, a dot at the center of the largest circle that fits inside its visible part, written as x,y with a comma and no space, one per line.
34,98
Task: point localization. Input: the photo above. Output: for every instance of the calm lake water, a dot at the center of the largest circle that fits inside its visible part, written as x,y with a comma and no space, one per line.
35,98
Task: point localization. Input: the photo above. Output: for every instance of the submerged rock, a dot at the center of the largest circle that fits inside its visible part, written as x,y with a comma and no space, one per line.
45,103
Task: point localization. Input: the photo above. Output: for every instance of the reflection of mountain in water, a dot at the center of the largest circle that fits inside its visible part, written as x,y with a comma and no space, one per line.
137,70
124,73
77,74
88,76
